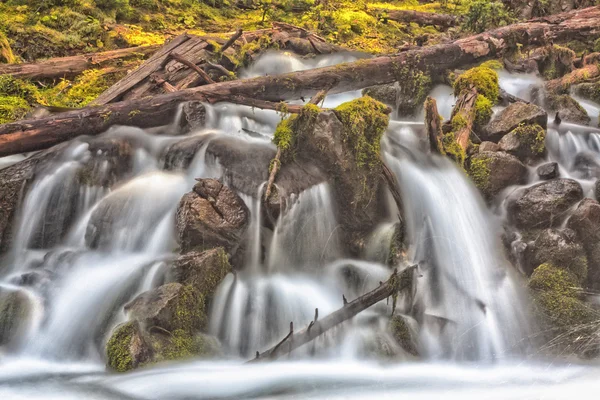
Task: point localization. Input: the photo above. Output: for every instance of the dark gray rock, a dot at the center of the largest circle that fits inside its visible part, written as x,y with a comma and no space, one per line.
488,146
548,171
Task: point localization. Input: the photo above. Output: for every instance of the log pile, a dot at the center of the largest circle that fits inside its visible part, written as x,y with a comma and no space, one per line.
142,110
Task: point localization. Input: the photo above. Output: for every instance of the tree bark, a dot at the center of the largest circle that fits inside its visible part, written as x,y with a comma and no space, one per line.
70,66
433,125
587,73
423,18
396,283
30,135
465,108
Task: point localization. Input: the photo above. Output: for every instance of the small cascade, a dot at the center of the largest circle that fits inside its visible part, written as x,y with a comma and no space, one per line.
466,302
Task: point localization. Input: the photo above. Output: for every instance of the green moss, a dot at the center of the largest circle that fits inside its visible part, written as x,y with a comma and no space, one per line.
492,64
402,334
479,171
12,108
547,277
189,311
597,45
6,53
484,79
182,345
288,129
415,85
483,110
118,348
534,136
364,119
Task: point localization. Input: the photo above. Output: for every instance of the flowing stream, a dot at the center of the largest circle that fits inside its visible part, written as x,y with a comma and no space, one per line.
81,252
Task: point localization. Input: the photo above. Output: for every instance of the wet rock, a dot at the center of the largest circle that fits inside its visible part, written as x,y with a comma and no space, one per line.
494,171
212,215
403,335
127,348
585,220
488,146
386,94
568,109
511,117
203,270
587,165
171,307
15,308
526,142
111,161
561,248
193,116
544,205
589,91
547,171
180,154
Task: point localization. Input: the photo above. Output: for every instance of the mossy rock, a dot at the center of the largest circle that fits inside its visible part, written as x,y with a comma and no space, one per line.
568,108
526,142
492,172
126,348
515,115
561,249
181,345
483,78
589,91
289,128
403,335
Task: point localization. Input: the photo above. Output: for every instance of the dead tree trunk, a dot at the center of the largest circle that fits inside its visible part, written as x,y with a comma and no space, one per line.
30,135
465,109
423,18
398,282
71,66
587,73
433,125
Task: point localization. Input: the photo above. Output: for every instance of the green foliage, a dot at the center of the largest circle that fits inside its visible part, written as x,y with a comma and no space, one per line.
483,15
479,171
364,120
483,78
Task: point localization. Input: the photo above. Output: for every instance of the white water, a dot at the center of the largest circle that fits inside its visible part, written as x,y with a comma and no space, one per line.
466,301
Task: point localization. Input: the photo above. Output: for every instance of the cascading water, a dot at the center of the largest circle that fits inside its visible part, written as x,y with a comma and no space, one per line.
82,251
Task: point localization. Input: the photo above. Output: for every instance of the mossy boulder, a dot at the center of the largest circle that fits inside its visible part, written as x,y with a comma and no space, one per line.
488,146
212,215
387,94
513,116
561,248
526,142
545,204
15,308
126,349
567,108
203,270
493,172
564,319
589,91
483,78
403,335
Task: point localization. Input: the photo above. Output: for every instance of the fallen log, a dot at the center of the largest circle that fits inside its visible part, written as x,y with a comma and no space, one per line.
433,125
397,282
587,73
30,135
70,66
465,110
422,18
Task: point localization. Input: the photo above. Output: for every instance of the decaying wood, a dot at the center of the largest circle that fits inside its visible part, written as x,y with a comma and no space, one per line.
30,135
205,77
392,184
465,107
587,73
433,125
74,65
398,282
423,18
231,40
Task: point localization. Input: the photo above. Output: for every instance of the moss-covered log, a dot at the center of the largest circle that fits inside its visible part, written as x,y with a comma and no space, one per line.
422,18
33,135
581,75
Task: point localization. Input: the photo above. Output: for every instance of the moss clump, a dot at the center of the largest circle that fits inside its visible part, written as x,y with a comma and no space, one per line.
547,277
492,64
189,314
288,129
479,171
118,349
558,62
12,108
6,53
451,146
402,334
414,85
483,110
364,119
484,79
181,345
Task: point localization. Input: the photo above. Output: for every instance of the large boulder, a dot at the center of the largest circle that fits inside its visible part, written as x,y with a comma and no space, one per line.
494,171
585,220
526,142
212,215
545,204
511,117
567,108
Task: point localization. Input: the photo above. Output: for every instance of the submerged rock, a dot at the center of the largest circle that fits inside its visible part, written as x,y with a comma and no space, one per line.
110,162
212,215
494,171
547,171
512,117
544,205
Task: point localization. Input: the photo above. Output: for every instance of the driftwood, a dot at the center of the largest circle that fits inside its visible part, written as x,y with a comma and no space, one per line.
74,65
433,125
422,18
30,135
398,282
